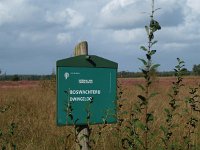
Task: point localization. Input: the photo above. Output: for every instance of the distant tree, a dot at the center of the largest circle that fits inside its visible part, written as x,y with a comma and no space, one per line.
53,74
0,75
15,78
196,69
186,72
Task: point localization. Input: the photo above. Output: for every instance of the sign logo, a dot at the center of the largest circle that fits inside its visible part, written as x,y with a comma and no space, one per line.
66,75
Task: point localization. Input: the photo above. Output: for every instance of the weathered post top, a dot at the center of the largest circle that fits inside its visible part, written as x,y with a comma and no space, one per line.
81,49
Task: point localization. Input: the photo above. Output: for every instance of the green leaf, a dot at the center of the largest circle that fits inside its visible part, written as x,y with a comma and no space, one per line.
138,142
158,25
147,30
154,66
144,61
150,117
124,113
126,143
154,42
141,87
154,25
82,137
70,116
167,111
142,98
152,52
144,71
88,116
175,70
153,94
140,125
170,95
148,56
137,108
187,100
174,126
177,67
151,36
165,130
1,133
180,61
149,82
143,48
156,9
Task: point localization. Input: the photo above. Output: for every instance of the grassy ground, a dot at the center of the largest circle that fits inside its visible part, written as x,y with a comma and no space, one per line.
32,109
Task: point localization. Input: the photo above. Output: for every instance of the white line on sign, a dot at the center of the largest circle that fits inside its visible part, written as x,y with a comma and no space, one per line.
110,83
84,81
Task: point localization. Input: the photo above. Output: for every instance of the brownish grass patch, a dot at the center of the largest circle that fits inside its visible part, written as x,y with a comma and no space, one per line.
32,108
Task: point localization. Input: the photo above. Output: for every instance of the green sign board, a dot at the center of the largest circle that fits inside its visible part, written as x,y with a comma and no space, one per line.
86,90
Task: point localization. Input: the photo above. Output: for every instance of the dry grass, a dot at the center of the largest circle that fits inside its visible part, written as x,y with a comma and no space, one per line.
33,109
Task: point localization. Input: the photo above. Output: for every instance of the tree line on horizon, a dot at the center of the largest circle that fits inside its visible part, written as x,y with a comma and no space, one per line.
121,74
127,74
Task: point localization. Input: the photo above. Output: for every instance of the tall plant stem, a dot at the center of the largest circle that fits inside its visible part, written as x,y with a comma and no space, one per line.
146,122
148,80
147,69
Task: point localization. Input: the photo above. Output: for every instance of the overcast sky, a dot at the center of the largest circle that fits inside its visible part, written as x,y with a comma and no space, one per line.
36,33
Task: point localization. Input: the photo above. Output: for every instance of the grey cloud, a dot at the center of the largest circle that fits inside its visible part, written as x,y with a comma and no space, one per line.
68,17
118,16
173,18
122,17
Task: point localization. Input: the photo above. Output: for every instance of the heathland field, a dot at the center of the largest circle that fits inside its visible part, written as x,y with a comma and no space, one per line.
28,117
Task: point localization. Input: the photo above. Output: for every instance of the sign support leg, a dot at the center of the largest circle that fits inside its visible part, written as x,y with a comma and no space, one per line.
82,135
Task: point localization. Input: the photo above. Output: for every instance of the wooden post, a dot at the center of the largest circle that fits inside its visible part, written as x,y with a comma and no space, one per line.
81,49
82,131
